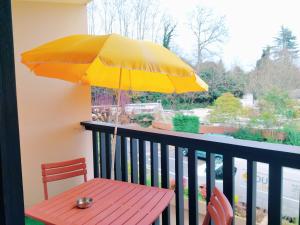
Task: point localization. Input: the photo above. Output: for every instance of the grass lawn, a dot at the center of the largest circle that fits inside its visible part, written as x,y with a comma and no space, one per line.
29,221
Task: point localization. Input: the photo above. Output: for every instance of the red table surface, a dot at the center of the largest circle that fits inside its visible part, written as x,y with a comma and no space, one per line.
114,202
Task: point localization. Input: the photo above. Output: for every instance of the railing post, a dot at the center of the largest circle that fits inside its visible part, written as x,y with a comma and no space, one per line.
133,159
96,153
165,180
103,155
118,173
251,192
142,162
275,194
154,168
154,164
193,187
228,179
124,162
210,175
179,186
11,188
108,154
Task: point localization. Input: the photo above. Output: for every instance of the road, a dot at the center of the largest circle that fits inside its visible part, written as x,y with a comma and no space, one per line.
171,162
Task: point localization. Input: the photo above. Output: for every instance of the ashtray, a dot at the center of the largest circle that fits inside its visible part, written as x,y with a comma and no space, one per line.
83,203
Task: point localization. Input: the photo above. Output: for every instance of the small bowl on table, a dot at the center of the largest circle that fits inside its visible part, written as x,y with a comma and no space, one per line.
83,203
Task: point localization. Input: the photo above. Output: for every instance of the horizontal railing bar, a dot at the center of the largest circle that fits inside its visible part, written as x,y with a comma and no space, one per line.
287,155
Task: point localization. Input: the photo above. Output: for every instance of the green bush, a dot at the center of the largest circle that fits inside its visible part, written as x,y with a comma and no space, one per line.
292,136
143,119
247,134
186,123
226,108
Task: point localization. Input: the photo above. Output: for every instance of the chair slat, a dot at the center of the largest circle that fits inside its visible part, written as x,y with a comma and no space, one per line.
65,169
64,176
62,164
219,209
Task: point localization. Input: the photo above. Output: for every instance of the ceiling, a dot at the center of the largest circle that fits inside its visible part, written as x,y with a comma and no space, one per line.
58,1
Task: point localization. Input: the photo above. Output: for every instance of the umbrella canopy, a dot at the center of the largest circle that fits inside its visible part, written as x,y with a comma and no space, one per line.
113,61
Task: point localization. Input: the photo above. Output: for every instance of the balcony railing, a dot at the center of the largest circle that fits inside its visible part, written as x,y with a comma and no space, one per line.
132,142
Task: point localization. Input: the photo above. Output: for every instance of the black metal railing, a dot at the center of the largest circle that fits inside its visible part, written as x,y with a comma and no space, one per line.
276,156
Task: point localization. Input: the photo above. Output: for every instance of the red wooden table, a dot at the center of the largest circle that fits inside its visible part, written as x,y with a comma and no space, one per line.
115,202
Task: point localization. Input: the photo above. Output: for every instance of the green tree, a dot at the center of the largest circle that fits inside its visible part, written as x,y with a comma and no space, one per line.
275,109
285,44
221,81
225,109
278,102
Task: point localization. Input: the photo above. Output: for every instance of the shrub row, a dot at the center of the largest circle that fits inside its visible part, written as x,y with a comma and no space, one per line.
185,123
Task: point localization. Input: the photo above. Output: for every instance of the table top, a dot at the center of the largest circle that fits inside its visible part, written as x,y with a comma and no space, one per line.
114,202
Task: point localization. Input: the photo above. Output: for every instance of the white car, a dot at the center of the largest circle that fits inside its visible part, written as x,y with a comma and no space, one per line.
291,185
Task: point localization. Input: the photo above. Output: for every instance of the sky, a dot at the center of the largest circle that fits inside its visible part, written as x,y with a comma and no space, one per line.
252,25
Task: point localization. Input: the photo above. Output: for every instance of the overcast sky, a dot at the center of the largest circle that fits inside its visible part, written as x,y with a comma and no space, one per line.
252,24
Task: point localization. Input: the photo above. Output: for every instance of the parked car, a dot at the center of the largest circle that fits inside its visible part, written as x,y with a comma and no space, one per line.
202,155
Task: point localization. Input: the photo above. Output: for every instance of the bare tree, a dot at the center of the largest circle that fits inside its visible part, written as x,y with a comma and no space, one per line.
208,30
107,14
92,10
123,14
139,19
141,10
148,20
274,74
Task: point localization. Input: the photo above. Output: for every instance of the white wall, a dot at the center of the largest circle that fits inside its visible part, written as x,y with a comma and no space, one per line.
49,110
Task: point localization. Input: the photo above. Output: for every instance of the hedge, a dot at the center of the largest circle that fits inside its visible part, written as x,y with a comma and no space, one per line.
186,123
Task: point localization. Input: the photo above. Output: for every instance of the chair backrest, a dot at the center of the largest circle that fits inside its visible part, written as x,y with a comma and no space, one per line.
219,209
62,170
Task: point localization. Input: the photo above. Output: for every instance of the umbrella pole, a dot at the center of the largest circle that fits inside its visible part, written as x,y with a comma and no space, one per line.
113,150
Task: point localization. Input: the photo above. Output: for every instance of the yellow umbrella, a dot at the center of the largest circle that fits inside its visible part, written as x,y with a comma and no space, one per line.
99,61
113,61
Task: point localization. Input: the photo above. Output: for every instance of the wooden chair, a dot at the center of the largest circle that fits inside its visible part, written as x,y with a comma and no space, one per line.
219,209
62,170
